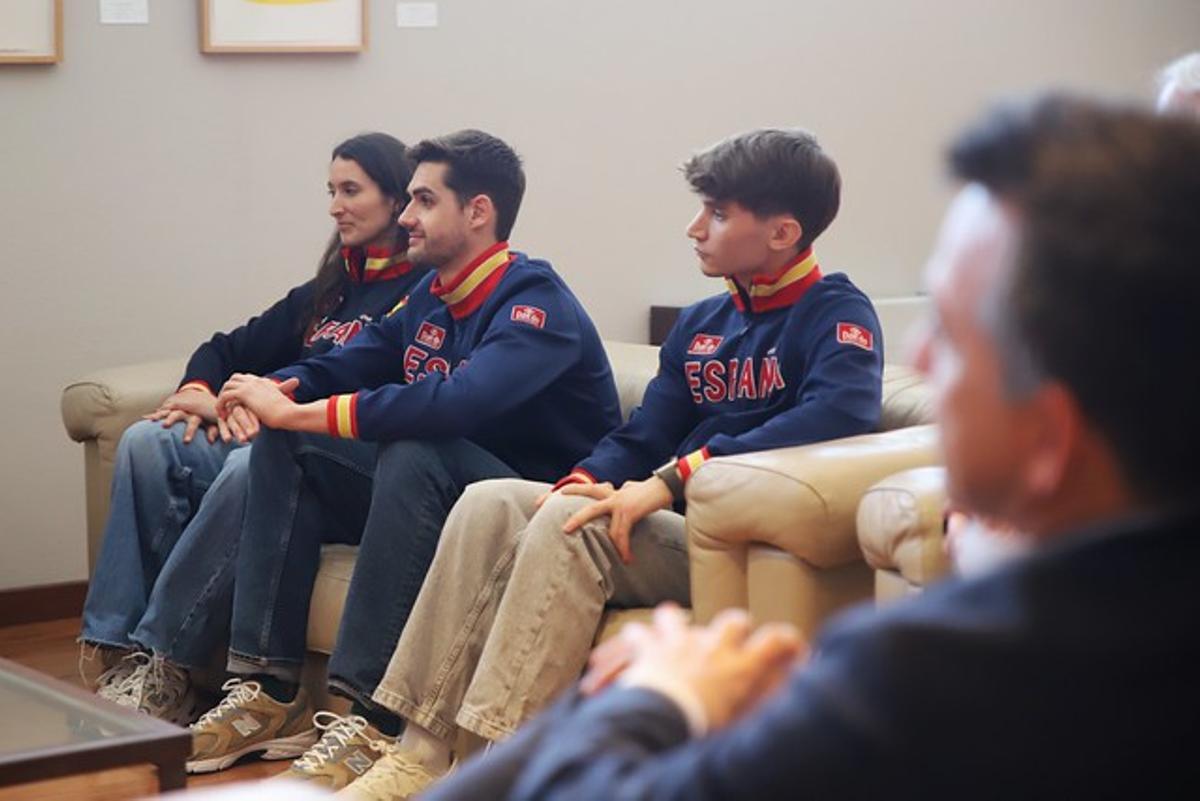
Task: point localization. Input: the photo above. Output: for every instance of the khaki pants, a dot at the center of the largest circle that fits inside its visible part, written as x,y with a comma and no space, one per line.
510,607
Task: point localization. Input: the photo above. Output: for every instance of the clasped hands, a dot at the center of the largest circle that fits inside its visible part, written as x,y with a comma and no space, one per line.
727,667
245,404
197,407
260,401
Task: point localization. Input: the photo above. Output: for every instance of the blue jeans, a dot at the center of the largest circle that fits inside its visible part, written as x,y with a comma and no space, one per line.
310,489
163,580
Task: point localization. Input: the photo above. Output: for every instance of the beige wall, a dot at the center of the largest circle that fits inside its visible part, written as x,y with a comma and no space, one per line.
149,195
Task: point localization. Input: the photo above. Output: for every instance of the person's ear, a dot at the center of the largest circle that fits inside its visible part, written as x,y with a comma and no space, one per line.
1054,420
480,211
785,232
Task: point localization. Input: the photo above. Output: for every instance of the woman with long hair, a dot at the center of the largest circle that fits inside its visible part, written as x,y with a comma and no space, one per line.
159,600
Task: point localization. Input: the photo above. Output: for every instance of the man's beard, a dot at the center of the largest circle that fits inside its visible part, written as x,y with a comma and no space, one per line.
435,255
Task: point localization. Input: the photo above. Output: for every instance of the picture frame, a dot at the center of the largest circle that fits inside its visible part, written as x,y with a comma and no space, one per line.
31,31
283,26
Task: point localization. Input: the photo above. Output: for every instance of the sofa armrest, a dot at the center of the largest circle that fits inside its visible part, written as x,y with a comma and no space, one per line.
103,404
802,501
96,410
900,525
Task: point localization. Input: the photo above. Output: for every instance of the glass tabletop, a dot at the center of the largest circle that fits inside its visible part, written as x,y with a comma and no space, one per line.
38,715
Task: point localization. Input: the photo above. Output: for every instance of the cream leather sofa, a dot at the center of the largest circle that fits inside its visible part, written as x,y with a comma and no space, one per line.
771,531
901,531
776,532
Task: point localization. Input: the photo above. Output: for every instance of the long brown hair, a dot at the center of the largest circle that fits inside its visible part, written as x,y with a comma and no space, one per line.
384,159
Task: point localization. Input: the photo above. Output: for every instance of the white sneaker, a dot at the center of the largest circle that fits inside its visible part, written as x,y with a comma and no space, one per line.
156,687
393,777
114,684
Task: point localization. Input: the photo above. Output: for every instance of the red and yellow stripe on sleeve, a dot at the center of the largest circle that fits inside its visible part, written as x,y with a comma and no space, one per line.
400,305
686,465
576,476
341,416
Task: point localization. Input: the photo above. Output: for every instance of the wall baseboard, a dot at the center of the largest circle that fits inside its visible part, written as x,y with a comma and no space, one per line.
41,603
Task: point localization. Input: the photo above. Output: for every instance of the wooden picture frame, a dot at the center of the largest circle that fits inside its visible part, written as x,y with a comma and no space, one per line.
31,31
283,26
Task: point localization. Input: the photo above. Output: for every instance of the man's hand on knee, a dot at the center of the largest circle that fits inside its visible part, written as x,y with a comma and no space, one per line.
587,490
626,507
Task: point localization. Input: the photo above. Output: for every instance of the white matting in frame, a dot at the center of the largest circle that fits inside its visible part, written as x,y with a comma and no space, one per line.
30,31
283,26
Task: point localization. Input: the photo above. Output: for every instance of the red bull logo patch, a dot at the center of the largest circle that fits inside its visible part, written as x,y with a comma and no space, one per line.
856,335
431,336
704,344
530,315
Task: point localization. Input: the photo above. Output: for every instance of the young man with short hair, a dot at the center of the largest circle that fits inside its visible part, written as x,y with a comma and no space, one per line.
492,369
524,570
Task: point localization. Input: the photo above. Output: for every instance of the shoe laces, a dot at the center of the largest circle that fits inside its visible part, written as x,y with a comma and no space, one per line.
339,731
128,691
238,694
163,684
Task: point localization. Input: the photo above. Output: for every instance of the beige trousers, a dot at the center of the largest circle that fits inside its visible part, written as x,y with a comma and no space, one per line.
510,607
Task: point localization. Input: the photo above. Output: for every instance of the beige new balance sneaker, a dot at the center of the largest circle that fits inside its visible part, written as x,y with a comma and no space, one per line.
393,777
247,721
347,750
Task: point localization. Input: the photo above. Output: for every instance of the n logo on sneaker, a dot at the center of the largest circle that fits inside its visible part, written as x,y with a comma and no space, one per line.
246,725
359,762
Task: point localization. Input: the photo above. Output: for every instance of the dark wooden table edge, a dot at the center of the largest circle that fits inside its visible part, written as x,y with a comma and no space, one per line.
163,745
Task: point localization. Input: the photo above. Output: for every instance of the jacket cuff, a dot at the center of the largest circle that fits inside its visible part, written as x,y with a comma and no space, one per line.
196,383
674,690
576,476
686,465
341,416
291,395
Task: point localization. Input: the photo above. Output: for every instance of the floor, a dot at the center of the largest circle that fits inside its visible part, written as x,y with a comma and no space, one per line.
51,648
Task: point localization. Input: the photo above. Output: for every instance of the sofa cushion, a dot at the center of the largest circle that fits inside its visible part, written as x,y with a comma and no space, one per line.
633,366
329,596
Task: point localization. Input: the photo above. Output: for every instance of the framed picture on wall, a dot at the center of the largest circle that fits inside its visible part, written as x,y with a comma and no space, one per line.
283,26
30,31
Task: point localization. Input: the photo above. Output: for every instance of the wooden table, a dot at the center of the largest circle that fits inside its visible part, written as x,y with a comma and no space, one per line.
50,729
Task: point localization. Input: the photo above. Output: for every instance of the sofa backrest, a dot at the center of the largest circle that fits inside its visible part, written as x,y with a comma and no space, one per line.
633,367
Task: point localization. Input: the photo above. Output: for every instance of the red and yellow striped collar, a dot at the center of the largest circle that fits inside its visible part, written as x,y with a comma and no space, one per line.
471,287
375,263
767,293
